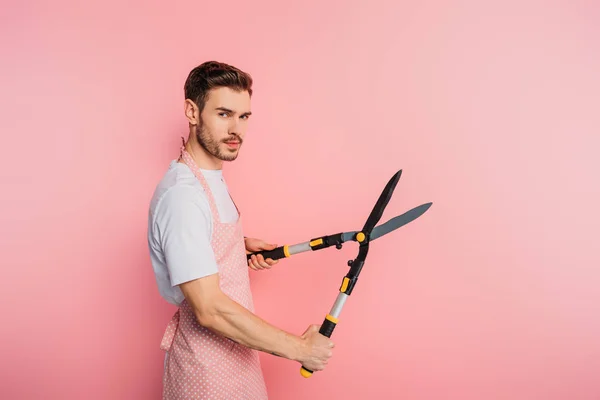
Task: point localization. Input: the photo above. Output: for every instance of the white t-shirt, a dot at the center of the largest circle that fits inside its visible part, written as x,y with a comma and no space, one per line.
180,227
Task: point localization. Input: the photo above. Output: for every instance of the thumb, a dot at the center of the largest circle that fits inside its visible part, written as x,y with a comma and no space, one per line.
312,329
268,246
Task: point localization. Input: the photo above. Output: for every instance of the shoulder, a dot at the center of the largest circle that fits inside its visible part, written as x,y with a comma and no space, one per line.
178,187
179,206
178,200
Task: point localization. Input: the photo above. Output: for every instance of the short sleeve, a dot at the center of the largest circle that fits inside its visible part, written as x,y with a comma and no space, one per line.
183,221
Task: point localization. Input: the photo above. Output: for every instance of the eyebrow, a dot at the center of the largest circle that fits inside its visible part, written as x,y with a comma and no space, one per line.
231,111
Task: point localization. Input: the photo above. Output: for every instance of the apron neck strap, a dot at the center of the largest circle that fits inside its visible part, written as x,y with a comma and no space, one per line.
189,161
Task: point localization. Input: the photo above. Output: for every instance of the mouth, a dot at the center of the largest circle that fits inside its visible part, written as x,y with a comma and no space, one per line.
233,144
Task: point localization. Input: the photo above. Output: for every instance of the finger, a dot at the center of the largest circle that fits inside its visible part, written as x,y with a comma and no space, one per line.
254,263
259,262
262,262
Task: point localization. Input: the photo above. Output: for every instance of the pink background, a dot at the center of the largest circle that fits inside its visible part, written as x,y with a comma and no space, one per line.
491,111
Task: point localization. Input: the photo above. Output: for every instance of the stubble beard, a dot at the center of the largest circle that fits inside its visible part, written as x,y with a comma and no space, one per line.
212,147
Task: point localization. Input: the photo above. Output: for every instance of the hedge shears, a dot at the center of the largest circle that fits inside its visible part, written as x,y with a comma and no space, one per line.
367,234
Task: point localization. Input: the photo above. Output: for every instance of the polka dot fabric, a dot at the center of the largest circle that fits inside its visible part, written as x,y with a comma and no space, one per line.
202,364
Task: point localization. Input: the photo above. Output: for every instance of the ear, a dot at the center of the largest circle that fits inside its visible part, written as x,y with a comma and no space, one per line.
192,112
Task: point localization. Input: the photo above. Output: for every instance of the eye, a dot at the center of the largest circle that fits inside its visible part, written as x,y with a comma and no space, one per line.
224,114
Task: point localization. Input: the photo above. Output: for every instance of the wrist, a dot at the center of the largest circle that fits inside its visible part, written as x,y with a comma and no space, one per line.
299,349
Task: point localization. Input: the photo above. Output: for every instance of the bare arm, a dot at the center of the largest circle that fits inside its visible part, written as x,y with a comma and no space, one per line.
219,313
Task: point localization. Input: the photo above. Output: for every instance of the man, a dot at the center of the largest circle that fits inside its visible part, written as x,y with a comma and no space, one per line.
198,254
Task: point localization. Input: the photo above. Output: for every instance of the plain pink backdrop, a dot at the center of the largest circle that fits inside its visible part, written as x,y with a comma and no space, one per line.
491,110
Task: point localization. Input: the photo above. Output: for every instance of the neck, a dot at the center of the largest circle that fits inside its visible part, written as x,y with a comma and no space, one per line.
202,158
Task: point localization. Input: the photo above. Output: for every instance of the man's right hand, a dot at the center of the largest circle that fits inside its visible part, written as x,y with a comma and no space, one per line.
318,349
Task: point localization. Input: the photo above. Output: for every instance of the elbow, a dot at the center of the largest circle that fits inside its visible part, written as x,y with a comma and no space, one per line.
206,316
207,301
209,315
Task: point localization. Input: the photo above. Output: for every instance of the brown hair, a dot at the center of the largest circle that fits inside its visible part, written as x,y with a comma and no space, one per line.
213,74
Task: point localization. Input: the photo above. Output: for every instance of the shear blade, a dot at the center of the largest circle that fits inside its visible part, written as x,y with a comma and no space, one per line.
382,202
399,221
392,224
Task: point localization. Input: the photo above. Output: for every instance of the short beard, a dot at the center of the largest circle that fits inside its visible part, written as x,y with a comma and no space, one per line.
212,147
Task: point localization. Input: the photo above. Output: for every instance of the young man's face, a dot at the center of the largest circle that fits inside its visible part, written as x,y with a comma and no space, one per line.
223,123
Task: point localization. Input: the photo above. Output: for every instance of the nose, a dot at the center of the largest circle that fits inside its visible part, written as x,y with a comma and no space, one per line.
236,127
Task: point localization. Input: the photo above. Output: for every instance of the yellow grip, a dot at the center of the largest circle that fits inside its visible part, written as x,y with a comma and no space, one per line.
345,284
305,373
316,242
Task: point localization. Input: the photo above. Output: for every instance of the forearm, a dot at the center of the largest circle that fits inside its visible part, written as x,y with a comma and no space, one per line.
231,320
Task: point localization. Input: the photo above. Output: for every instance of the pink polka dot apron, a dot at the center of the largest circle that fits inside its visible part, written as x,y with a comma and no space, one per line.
202,364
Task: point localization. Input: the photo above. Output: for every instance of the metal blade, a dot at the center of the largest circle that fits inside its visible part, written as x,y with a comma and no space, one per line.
348,236
382,202
392,224
399,221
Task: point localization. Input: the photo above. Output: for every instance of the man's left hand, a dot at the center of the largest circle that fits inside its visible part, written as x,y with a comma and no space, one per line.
257,262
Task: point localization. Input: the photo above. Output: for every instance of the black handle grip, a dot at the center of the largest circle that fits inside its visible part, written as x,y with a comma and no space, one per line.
325,330
274,254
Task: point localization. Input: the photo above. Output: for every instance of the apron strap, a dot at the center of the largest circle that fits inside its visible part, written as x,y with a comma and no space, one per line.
189,161
169,335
